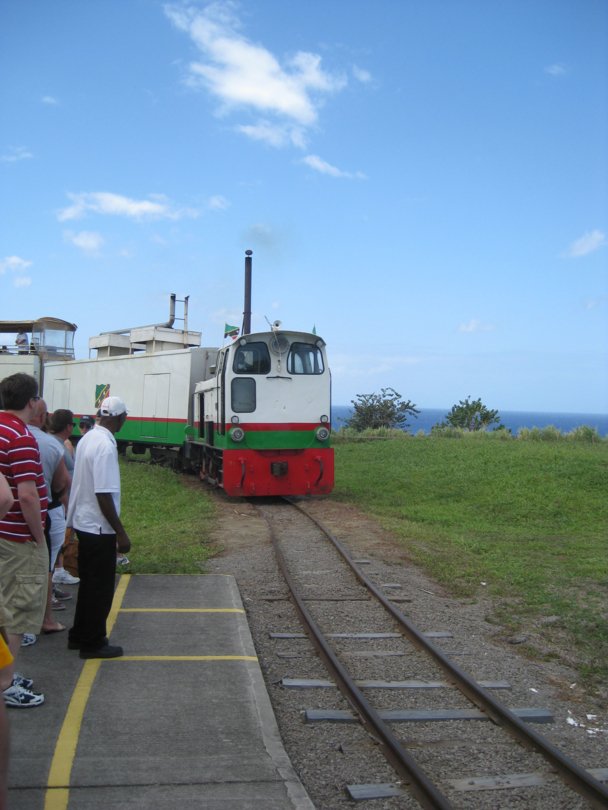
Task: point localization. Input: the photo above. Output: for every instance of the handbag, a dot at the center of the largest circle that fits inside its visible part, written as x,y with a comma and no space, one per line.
70,552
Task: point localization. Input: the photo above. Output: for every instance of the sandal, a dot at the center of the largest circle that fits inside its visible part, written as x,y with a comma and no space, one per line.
59,629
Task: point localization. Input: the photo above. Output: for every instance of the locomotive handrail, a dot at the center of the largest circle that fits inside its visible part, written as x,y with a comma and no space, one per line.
320,460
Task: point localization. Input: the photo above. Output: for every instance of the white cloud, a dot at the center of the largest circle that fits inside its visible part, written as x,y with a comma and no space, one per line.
587,243
362,75
218,203
319,165
15,264
50,100
87,241
15,154
277,135
556,70
106,203
475,325
245,75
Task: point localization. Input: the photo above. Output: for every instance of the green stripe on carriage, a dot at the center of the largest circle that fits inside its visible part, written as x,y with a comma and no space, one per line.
152,431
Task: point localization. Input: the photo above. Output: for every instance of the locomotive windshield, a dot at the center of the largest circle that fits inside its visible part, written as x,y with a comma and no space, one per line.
252,358
304,358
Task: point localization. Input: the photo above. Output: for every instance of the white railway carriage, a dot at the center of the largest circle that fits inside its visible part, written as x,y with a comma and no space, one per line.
156,382
263,421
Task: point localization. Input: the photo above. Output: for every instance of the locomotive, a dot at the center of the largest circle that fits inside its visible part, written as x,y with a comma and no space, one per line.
251,417
262,419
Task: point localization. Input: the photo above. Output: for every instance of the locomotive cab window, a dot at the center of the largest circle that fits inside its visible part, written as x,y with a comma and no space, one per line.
304,358
242,393
252,358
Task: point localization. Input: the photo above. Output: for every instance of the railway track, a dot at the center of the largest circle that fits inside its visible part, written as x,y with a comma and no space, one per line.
450,741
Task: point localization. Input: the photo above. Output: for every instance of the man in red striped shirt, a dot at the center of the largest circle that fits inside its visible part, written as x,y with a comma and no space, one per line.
24,557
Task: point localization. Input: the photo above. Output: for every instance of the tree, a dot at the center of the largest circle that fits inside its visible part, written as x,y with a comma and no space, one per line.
471,416
383,410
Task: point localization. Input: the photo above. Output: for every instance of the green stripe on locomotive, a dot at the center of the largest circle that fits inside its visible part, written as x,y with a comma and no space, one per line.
153,432
270,440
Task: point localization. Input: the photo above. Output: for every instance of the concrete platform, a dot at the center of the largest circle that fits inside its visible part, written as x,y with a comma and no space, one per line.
183,720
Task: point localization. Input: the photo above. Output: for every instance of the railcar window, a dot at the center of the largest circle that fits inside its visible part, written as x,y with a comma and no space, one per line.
304,358
252,358
242,392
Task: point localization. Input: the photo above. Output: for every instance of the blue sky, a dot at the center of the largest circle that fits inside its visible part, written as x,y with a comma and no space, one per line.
425,181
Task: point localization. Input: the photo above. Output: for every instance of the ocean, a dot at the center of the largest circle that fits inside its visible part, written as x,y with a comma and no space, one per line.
514,420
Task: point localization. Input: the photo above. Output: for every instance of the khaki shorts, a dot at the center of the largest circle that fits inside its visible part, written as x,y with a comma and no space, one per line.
24,582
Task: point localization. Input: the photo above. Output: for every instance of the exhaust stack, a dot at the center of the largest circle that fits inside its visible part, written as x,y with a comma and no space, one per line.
247,310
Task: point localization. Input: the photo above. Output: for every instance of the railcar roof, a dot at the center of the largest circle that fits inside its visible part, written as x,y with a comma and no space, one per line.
7,327
295,332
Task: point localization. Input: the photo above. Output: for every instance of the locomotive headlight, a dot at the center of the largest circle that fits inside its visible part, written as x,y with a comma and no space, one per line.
237,434
322,434
235,420
324,418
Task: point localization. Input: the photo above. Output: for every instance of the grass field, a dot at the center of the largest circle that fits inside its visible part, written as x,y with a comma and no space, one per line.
522,522
525,522
169,528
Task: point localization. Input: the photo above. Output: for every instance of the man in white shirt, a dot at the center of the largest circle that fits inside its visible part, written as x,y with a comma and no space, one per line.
94,513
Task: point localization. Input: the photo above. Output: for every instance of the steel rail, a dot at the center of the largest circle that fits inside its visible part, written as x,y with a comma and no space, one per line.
569,771
419,785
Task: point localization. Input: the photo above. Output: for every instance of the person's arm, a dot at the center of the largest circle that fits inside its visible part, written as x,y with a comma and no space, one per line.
108,510
29,501
6,496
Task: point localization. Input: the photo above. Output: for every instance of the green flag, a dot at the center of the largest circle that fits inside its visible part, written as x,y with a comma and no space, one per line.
230,331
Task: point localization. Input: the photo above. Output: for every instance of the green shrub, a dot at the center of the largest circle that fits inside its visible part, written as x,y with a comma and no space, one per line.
348,434
547,434
584,433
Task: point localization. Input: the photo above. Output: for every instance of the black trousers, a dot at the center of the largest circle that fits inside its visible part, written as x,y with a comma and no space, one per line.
97,572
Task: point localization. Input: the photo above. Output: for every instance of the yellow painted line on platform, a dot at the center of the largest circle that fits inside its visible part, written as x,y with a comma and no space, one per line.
182,610
58,793
183,658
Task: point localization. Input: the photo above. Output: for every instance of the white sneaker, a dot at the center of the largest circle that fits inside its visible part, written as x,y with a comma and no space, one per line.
63,577
27,639
21,680
19,698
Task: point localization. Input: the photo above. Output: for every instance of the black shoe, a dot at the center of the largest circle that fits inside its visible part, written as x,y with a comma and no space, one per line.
101,652
76,645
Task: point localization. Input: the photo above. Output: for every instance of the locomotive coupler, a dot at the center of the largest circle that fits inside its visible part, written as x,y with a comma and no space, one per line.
278,468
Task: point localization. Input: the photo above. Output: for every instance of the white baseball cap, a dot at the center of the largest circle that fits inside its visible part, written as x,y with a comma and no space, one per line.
112,406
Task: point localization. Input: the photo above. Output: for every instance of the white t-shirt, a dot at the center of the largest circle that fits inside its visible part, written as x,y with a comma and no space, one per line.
96,470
